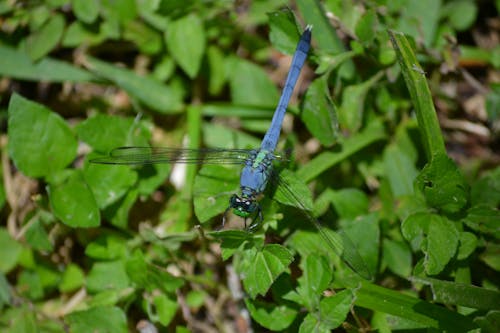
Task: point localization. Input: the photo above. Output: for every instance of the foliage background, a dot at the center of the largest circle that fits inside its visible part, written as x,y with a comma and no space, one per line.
114,249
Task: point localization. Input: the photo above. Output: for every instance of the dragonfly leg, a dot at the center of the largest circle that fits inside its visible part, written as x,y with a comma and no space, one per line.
224,219
256,224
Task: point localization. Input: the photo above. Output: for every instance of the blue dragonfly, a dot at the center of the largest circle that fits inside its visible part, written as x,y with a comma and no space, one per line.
257,167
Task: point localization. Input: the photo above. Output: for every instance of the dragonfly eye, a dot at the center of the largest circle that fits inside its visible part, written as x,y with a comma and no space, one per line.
242,207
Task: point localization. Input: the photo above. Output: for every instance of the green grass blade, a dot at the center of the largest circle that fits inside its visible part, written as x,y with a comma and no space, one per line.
420,95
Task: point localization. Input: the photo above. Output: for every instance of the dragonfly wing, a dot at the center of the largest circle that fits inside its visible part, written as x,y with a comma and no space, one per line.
157,155
338,241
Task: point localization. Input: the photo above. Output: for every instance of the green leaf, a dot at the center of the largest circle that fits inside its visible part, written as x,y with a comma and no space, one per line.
267,265
483,219
316,276
165,307
72,278
349,203
443,185
86,10
151,277
353,103
107,247
461,14
367,27
399,170
18,65
148,40
441,239
98,319
283,32
333,312
291,189
37,237
420,94
396,303
35,137
73,203
124,11
468,244
107,275
420,18
397,257
154,94
108,183
271,316
250,85
236,240
461,294
186,41
42,41
105,132
10,251
486,190
213,187
319,112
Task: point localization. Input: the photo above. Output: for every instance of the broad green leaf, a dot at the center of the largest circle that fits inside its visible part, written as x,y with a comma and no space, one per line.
468,244
441,238
443,185
367,27
154,94
396,303
186,41
118,212
420,18
333,312
107,247
86,10
151,277
236,240
78,33
349,203
292,191
490,256
283,33
107,275
104,132
10,251
319,112
37,237
124,11
486,190
40,141
250,85
213,186
98,319
108,182
267,265
218,136
73,203
316,276
483,219
42,41
420,93
72,278
399,170
30,285
460,14
148,40
489,322
461,294
271,316
350,112
165,307
397,257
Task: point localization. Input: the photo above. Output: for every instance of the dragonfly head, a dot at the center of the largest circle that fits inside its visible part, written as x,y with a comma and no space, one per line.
243,206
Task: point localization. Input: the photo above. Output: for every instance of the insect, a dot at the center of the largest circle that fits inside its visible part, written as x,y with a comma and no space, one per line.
257,166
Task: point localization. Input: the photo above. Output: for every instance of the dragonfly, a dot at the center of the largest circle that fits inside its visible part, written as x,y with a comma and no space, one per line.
257,167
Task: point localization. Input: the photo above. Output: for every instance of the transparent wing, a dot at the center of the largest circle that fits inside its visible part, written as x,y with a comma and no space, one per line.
155,155
338,241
